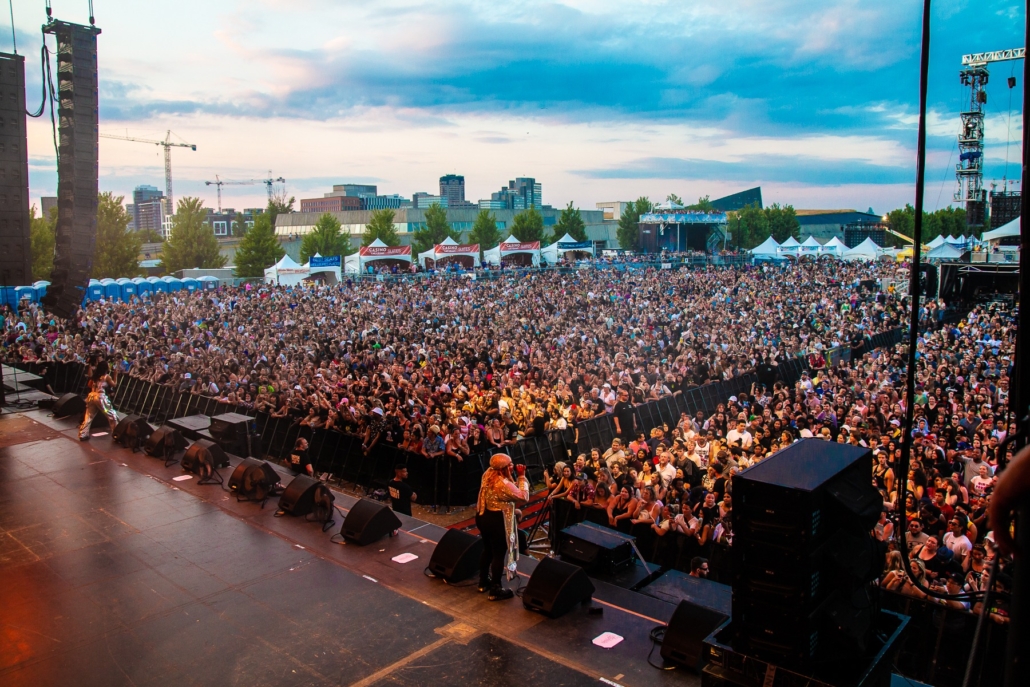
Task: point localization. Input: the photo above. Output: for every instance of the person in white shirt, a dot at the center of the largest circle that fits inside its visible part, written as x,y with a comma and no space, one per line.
740,433
956,539
666,470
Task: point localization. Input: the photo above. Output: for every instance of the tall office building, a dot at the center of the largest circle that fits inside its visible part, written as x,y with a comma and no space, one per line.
47,203
452,187
148,208
521,193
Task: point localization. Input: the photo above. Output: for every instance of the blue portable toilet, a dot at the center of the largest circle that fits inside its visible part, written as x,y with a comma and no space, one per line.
190,284
143,287
208,283
174,283
26,293
40,287
157,286
112,291
128,289
94,291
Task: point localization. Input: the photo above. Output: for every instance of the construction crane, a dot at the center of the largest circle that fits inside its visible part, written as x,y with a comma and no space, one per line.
167,144
269,182
969,170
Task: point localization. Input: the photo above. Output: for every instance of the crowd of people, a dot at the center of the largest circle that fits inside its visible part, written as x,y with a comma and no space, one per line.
452,366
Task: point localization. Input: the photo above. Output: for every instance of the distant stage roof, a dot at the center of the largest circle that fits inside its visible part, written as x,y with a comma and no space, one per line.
737,201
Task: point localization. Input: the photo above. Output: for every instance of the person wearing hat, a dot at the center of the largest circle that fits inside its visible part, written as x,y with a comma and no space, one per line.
374,429
499,491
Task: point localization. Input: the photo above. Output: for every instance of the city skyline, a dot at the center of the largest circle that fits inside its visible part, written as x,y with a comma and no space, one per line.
600,101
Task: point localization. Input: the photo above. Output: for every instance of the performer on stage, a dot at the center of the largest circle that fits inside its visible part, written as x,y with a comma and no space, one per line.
495,518
96,400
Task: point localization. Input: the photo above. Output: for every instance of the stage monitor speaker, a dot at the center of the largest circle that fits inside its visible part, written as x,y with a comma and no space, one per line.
204,458
77,165
595,548
299,496
69,405
456,556
369,521
164,441
555,587
16,256
685,635
253,480
132,432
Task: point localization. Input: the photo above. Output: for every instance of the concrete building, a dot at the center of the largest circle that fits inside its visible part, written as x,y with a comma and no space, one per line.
737,201
612,209
330,204
353,190
825,224
46,203
149,208
221,223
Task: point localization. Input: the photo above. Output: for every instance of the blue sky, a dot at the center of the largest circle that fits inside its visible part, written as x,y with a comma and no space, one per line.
598,99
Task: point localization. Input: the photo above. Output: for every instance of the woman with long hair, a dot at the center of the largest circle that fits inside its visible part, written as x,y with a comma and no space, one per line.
97,402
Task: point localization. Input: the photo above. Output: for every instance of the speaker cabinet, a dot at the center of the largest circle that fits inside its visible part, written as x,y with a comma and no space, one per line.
16,257
456,556
203,451
69,405
685,635
556,587
165,441
253,480
132,432
299,497
369,521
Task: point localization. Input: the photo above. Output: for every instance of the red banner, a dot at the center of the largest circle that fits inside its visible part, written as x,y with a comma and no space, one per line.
448,249
384,251
519,247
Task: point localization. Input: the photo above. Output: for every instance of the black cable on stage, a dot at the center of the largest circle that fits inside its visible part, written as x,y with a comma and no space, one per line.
657,637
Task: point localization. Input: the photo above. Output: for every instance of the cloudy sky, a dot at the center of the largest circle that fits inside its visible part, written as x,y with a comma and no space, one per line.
598,99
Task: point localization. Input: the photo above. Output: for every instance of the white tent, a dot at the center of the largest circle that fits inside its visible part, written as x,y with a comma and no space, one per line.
511,247
946,251
566,244
1003,232
789,247
333,269
767,249
811,245
374,252
938,241
467,254
834,247
286,272
867,250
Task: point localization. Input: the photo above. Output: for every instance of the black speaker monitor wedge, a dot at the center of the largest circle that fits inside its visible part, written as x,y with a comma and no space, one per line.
555,587
369,521
686,633
70,405
456,557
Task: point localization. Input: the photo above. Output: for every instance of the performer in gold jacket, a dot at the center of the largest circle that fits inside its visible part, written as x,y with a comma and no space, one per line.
495,517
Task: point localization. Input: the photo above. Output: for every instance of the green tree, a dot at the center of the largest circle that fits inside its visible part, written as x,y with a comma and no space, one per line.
41,241
570,222
528,226
436,231
484,231
117,249
628,232
279,204
259,249
673,198
750,226
783,223
943,222
702,205
150,235
381,227
239,225
326,239
192,243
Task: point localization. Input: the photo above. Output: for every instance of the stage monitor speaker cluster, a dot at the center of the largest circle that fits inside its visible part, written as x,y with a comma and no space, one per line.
804,554
70,405
253,480
204,458
369,521
77,165
555,587
684,637
132,432
16,256
456,556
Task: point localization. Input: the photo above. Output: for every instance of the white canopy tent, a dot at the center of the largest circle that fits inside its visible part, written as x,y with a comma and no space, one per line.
867,250
286,272
1003,232
332,269
769,249
810,246
945,251
834,247
510,247
790,247
938,241
449,249
375,252
566,244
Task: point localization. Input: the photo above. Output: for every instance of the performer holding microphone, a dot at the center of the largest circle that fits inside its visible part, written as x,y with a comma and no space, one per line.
495,517
97,402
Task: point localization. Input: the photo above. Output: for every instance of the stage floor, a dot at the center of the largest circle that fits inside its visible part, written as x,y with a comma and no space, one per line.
115,574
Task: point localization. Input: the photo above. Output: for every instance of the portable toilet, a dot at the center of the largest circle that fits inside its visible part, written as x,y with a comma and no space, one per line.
208,283
128,289
112,291
143,287
40,287
158,285
190,284
174,283
26,293
94,291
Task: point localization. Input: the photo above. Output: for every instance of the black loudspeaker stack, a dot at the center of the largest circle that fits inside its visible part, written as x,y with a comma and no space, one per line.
555,588
132,432
804,555
253,480
69,405
77,165
16,256
684,637
456,556
369,521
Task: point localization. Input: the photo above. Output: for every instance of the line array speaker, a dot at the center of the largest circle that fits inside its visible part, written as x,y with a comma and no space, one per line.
16,256
77,165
